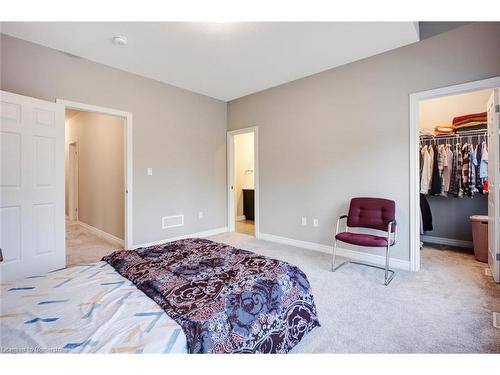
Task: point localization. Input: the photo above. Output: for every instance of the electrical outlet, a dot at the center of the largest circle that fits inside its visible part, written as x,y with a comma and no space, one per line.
304,220
150,171
315,222
200,215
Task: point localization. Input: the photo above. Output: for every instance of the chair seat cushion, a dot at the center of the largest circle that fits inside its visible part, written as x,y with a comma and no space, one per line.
362,239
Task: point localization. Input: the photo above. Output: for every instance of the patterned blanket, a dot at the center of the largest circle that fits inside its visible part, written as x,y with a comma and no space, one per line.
226,300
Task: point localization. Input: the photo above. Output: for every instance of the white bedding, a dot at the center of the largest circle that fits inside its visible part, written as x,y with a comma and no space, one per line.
84,309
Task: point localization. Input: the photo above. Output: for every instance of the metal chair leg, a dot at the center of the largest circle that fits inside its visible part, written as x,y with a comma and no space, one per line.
386,263
335,268
334,251
388,278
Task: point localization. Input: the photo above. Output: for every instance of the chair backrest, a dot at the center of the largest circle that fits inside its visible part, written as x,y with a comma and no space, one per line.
374,213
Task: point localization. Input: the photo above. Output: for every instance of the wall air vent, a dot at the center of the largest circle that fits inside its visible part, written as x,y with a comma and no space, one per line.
172,221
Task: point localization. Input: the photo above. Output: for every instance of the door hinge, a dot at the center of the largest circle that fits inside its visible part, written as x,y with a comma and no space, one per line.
498,256
497,108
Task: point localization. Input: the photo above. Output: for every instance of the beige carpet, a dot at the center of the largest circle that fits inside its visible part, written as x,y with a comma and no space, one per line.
445,308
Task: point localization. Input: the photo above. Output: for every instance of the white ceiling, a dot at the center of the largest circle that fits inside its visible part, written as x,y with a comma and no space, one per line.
222,60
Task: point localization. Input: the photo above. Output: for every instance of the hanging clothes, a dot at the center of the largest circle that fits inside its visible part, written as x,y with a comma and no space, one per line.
431,163
447,166
454,169
483,167
425,177
465,168
477,162
456,174
425,213
436,178
442,166
471,179
421,163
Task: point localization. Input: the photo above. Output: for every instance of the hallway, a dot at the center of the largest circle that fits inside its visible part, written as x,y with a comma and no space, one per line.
246,227
83,246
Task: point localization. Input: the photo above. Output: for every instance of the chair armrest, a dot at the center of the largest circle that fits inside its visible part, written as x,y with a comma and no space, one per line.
390,226
338,222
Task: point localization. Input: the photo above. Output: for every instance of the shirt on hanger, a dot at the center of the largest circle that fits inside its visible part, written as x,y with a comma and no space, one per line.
426,176
447,168
483,166
436,176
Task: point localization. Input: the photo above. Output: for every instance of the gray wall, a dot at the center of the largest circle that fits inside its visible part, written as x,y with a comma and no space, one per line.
344,132
429,29
450,216
180,134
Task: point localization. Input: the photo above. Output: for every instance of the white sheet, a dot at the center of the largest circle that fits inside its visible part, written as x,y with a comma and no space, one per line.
84,309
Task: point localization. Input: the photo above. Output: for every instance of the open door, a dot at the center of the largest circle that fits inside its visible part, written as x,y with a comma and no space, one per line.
32,237
493,110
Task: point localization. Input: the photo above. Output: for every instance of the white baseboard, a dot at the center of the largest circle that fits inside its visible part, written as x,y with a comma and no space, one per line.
346,253
296,243
206,233
240,218
447,241
100,233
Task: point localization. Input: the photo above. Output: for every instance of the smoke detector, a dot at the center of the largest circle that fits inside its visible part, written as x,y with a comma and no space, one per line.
120,40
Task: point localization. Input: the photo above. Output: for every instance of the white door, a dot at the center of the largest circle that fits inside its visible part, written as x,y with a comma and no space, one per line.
494,185
32,236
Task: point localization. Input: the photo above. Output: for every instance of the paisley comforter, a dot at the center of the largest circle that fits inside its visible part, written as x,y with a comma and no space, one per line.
226,300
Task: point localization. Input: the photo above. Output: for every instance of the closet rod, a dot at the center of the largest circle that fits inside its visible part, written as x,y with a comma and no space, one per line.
470,133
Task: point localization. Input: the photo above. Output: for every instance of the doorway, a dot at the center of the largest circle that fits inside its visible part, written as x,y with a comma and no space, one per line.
98,181
243,192
72,194
457,203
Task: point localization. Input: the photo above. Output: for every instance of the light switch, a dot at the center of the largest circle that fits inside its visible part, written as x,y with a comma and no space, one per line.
315,222
304,220
200,215
150,171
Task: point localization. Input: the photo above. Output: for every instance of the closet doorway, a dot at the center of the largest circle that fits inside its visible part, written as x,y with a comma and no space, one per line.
243,181
455,170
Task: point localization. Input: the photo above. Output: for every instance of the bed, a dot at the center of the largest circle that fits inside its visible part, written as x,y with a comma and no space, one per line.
186,296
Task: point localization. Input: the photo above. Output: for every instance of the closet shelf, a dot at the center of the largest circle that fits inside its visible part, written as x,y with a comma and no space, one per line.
460,136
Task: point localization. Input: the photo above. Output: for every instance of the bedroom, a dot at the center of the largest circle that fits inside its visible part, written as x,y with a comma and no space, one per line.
335,129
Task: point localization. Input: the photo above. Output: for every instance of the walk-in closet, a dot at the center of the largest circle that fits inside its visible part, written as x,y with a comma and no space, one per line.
453,169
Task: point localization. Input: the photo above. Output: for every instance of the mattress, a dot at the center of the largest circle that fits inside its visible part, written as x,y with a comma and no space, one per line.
84,309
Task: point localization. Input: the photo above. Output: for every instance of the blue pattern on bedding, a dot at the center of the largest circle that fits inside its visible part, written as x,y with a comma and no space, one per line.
84,309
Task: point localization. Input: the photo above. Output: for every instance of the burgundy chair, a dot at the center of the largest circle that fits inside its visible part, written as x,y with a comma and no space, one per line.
369,213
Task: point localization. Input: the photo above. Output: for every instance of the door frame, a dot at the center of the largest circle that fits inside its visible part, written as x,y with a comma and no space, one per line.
231,216
73,186
128,157
415,98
